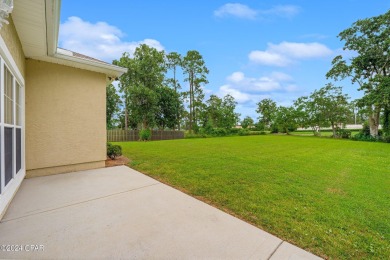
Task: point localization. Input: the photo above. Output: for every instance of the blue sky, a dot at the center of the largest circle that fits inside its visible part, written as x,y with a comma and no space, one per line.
253,49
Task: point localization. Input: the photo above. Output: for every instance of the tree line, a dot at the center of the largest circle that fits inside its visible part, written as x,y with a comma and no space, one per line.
152,95
328,107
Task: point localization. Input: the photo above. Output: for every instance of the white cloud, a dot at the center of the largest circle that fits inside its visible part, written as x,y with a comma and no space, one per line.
283,10
99,40
250,89
280,76
237,10
245,12
236,77
269,58
285,53
239,96
300,50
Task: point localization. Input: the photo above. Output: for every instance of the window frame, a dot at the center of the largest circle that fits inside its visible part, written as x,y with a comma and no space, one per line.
18,122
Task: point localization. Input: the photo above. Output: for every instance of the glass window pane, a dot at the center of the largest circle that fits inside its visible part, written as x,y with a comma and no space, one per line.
8,154
18,149
8,97
18,105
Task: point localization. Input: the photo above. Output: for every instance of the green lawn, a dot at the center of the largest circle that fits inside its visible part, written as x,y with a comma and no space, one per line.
331,197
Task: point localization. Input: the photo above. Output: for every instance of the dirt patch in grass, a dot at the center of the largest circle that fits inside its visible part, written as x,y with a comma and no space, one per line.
121,160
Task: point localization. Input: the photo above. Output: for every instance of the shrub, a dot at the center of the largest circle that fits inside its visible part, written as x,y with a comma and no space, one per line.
362,137
219,132
145,135
274,129
386,139
366,129
344,133
113,151
235,131
207,129
257,133
190,136
243,132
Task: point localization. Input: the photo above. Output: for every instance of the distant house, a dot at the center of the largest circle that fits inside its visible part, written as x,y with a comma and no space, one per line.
52,106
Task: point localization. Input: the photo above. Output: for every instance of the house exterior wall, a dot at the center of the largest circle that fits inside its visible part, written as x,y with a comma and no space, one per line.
11,39
12,55
65,119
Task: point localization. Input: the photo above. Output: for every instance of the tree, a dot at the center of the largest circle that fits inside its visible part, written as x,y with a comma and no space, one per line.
229,116
168,106
247,122
146,73
143,106
113,102
369,39
325,107
220,112
285,119
213,111
150,67
267,109
195,70
125,82
174,60
333,106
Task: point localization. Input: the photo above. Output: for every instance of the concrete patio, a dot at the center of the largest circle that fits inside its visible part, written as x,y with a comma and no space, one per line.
120,213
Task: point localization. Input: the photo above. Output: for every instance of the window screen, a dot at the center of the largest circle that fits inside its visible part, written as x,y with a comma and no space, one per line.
8,97
8,152
18,149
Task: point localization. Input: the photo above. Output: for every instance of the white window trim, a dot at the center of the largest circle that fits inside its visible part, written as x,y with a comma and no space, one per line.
9,191
11,64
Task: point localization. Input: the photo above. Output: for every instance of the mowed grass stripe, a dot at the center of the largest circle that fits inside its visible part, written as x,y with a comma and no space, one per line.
331,197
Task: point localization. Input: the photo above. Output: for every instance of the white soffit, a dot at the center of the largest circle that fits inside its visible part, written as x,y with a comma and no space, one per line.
37,24
69,58
30,22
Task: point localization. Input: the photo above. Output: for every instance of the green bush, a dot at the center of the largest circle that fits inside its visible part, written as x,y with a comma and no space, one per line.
234,131
344,133
145,135
220,132
362,137
386,139
366,129
274,129
243,132
190,136
257,133
113,151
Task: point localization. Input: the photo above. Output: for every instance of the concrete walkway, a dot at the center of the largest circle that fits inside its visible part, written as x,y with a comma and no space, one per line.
120,213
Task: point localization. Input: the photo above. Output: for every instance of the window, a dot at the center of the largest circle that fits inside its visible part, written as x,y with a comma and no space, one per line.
8,97
11,127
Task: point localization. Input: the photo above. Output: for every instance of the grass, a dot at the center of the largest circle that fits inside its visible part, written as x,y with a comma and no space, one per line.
331,197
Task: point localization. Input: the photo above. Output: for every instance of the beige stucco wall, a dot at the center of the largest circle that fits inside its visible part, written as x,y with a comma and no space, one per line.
11,39
65,119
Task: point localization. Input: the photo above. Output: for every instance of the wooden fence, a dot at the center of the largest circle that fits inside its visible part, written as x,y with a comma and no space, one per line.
119,135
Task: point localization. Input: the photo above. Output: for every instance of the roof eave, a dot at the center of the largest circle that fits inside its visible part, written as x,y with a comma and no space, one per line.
109,69
53,10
